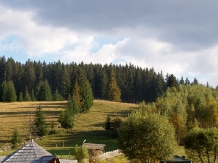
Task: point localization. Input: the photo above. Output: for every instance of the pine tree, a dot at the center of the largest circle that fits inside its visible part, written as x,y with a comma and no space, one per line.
15,138
65,119
8,92
57,96
85,91
40,125
27,95
114,93
21,97
77,94
108,123
44,91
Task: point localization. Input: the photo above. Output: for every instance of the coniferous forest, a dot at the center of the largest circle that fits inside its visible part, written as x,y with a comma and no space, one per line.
41,81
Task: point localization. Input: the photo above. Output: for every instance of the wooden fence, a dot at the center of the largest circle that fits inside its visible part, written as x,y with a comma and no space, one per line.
109,154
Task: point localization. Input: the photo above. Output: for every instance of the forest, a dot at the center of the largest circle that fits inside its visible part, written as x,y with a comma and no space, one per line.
29,81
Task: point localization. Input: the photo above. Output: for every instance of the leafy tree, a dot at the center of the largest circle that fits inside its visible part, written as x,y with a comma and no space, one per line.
15,138
147,138
201,145
114,92
81,153
40,125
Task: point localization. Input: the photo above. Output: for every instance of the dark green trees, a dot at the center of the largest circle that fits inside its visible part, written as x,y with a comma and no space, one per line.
85,97
8,92
65,119
15,139
114,93
44,91
39,124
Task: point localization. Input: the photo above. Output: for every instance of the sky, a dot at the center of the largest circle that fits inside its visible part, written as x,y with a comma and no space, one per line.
173,36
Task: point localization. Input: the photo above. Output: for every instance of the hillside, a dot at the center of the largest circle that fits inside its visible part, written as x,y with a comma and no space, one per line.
87,126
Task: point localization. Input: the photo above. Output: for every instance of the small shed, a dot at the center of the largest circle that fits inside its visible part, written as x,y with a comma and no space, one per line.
95,149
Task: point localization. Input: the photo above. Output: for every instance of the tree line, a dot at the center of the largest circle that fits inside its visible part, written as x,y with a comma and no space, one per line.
185,115
43,81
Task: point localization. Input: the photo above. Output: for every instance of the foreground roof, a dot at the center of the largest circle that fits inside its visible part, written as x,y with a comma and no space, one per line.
30,153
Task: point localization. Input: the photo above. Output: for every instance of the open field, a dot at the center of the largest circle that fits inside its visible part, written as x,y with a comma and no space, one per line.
87,126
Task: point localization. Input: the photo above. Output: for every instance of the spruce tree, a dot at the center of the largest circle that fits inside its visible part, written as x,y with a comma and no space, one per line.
114,92
76,95
27,96
15,138
8,92
65,119
44,91
40,125
85,91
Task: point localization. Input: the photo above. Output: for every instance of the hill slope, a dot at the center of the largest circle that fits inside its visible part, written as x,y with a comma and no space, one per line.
87,126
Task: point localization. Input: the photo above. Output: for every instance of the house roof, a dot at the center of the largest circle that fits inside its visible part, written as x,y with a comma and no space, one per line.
30,153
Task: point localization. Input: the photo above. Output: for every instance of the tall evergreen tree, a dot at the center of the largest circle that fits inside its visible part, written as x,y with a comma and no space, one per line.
76,95
114,93
40,125
44,91
65,119
8,92
85,91
15,138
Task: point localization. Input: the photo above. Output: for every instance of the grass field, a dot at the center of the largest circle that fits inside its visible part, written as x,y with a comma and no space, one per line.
87,126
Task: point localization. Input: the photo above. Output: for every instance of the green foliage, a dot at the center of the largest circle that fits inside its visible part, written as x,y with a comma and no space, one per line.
39,124
114,92
201,145
15,138
65,119
108,123
21,97
81,153
57,96
171,81
85,92
72,106
27,96
44,91
8,92
147,138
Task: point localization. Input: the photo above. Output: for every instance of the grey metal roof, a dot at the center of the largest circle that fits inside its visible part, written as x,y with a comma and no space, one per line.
30,153
2,158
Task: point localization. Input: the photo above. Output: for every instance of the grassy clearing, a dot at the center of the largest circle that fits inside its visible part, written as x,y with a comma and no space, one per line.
87,126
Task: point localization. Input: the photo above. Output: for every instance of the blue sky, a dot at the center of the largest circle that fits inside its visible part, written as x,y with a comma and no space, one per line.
178,37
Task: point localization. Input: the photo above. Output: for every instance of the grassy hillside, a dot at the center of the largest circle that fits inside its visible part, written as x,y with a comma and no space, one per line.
87,126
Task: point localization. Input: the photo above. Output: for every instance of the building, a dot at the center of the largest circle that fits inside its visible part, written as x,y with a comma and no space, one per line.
33,153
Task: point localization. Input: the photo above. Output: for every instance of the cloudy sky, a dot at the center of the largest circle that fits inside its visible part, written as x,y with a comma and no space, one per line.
172,36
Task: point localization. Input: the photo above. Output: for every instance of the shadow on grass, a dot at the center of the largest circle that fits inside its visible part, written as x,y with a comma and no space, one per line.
73,138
